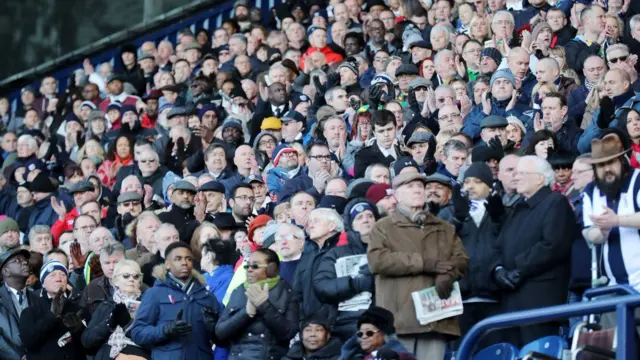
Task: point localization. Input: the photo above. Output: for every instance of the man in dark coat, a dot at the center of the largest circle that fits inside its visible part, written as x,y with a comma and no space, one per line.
177,317
181,213
51,327
533,249
150,173
383,151
14,298
591,42
42,213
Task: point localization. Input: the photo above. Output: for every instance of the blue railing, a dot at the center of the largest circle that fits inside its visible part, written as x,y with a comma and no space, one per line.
166,27
623,305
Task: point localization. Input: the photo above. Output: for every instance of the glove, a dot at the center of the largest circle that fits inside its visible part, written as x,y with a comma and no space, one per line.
210,318
444,285
79,139
510,147
430,163
119,316
507,279
607,110
178,328
57,303
495,207
497,152
94,265
413,102
375,93
73,322
460,204
437,267
362,283
181,154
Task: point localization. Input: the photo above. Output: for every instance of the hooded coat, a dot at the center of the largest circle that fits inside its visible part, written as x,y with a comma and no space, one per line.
160,306
331,351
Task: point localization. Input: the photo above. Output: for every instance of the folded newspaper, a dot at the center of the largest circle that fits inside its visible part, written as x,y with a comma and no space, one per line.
429,307
350,266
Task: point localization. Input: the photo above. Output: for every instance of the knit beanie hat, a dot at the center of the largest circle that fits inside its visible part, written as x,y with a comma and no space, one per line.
50,267
378,192
503,74
538,28
351,66
379,317
492,53
42,183
482,171
8,224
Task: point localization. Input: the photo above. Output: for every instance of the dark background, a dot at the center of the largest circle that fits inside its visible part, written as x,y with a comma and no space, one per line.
33,32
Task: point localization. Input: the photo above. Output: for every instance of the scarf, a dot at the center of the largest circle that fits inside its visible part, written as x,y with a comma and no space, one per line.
118,340
186,286
635,155
272,282
418,217
477,210
589,85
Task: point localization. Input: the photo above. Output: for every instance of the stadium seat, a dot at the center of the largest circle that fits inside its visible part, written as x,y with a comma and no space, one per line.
502,351
549,347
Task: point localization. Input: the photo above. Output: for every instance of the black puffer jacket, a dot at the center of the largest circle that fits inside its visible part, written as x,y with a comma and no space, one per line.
331,351
95,338
331,290
265,336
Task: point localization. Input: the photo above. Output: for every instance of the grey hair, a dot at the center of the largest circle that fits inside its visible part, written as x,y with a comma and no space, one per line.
442,27
370,168
329,94
33,144
503,12
39,229
332,216
240,37
277,66
163,226
111,247
454,145
299,233
132,176
186,131
543,168
439,55
634,20
618,46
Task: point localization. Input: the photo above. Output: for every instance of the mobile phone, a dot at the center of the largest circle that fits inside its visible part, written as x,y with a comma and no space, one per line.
267,80
489,95
547,125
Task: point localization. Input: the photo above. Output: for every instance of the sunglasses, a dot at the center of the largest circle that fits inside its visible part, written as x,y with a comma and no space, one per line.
369,333
254,266
134,276
621,58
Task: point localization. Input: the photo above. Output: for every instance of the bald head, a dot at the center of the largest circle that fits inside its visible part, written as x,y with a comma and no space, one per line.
547,70
616,82
518,62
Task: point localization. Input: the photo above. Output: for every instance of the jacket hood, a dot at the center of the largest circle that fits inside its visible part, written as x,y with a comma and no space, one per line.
160,273
329,351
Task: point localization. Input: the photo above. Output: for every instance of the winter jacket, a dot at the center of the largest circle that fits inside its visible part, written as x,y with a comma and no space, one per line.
183,219
218,281
302,182
330,56
397,253
159,307
577,51
266,335
522,17
564,35
305,272
276,178
576,102
331,351
155,180
331,290
479,242
11,347
580,278
566,85
41,213
351,350
40,331
373,155
471,123
98,291
96,336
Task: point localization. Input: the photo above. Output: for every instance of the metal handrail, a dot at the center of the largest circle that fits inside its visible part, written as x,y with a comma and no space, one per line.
623,305
610,290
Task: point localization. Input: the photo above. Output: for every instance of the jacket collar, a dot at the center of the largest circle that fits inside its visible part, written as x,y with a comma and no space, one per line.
160,273
538,196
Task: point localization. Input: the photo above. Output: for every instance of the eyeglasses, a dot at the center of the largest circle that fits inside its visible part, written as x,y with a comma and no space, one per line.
502,22
288,237
246,198
134,276
578,172
321,157
150,161
451,117
621,59
267,142
255,266
369,333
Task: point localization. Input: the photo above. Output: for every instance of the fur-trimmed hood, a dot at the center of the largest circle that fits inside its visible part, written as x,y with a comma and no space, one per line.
160,273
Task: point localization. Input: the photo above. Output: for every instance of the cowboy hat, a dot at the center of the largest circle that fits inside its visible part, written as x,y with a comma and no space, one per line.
609,148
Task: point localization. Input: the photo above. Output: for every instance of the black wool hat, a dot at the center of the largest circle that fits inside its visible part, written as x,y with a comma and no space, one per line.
42,183
336,203
379,317
482,153
482,171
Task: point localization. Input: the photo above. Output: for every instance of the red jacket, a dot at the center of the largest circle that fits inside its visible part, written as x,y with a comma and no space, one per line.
329,55
129,100
60,227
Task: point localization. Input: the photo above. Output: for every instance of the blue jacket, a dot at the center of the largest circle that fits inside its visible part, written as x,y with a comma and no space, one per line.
594,132
41,213
472,121
277,177
159,307
576,102
302,182
218,281
232,181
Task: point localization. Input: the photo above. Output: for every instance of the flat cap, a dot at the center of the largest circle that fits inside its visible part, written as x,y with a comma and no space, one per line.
251,178
213,186
177,111
11,253
420,44
439,178
114,77
419,137
146,56
494,121
186,186
81,186
406,178
129,196
407,69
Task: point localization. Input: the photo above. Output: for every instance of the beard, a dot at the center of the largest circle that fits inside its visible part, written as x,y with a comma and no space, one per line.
242,17
613,189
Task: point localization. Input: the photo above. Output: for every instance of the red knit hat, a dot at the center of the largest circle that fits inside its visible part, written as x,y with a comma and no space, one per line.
258,221
378,192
